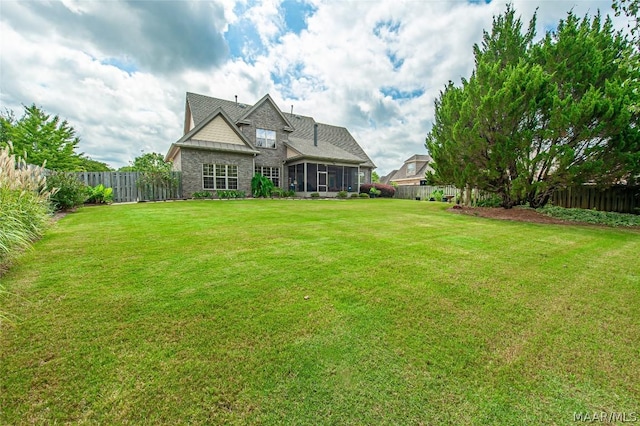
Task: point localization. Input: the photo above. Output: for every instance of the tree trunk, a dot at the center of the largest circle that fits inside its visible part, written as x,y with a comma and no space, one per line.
537,201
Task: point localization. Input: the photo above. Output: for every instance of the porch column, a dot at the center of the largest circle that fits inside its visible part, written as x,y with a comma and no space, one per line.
304,189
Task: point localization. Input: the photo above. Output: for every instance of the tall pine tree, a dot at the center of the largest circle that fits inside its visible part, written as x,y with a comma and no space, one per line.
537,117
40,138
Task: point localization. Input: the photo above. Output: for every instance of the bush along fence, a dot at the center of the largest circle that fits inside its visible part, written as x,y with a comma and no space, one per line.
620,199
377,190
131,186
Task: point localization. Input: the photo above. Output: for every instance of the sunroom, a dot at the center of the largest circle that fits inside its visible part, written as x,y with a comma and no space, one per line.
324,178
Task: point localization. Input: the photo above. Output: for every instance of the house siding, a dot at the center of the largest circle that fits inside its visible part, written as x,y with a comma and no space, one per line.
177,161
218,131
193,159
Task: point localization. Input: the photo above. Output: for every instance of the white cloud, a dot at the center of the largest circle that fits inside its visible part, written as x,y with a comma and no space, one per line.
120,74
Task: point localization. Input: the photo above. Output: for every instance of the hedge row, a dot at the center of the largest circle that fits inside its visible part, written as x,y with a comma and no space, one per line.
385,190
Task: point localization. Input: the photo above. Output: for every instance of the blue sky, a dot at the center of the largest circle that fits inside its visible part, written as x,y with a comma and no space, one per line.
118,70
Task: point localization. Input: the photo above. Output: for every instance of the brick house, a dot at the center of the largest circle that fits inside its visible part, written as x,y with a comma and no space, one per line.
225,143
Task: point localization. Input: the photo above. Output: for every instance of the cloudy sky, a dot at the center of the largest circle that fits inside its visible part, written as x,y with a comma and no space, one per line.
118,70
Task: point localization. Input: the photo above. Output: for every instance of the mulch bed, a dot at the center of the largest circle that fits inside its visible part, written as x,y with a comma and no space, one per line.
516,213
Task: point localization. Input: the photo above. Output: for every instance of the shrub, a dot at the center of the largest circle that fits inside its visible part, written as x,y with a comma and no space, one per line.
592,216
202,194
290,193
278,192
387,191
342,194
70,191
261,186
437,194
315,195
490,201
364,195
99,195
230,193
374,192
24,203
355,195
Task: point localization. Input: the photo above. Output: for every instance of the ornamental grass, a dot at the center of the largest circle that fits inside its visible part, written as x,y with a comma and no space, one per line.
24,203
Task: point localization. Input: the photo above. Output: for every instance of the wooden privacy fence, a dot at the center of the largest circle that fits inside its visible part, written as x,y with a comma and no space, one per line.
126,189
621,199
410,192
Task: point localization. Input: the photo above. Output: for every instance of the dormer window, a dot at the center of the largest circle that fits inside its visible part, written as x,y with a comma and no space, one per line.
265,138
411,169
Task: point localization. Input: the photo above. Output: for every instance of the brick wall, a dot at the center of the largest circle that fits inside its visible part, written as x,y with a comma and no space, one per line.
193,159
266,117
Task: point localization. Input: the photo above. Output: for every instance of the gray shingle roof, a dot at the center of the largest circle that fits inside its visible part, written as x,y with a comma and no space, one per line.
201,106
342,145
337,136
324,151
422,165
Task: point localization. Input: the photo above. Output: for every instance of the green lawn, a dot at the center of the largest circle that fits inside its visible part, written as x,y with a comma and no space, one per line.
318,312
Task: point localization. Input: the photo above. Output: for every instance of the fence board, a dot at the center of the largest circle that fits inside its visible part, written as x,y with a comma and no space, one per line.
410,192
126,189
621,199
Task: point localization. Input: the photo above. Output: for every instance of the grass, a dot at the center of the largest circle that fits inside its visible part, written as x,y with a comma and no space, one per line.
318,312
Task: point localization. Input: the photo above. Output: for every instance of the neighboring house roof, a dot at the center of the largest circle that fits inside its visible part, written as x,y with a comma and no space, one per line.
387,179
334,143
404,174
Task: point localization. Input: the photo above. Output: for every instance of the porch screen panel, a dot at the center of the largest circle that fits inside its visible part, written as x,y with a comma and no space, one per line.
335,178
312,177
351,175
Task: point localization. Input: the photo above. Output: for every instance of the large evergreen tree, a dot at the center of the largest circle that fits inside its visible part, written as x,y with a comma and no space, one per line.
41,138
536,117
586,129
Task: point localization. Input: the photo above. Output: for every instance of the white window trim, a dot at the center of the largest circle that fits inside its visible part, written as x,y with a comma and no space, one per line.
260,169
266,138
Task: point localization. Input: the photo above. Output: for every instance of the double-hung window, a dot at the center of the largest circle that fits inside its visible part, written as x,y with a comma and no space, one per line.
219,176
272,173
265,138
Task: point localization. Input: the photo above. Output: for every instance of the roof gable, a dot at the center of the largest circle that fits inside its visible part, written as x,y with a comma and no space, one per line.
216,133
266,99
218,130
421,167
213,120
